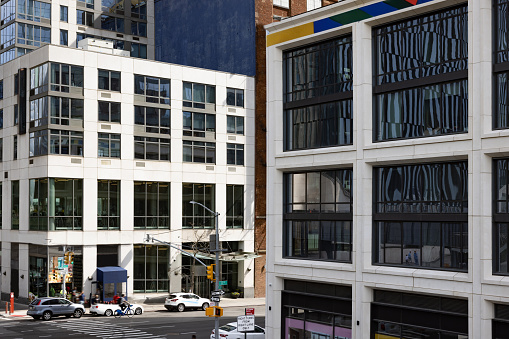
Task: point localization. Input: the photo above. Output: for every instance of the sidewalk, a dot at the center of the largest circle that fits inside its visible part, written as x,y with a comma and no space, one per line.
20,310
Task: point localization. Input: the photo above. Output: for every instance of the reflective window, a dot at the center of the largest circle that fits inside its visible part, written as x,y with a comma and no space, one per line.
318,70
318,215
139,9
109,80
150,269
235,154
155,120
420,219
194,215
420,76
34,10
56,204
318,126
138,50
84,18
33,35
501,63
148,148
64,39
108,204
500,216
235,124
112,5
200,125
151,205
64,13
15,204
197,95
87,3
61,78
156,90
112,23
235,97
234,206
199,151
139,28
109,111
8,12
108,145
8,36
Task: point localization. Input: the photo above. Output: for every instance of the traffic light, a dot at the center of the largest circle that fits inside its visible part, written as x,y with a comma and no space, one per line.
214,311
210,272
71,258
66,258
218,311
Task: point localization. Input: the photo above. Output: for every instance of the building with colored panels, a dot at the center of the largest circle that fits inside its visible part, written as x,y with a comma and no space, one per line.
387,163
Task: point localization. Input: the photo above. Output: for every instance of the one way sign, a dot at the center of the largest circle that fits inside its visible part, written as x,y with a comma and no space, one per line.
217,293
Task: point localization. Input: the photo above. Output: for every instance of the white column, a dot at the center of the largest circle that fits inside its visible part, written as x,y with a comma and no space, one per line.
89,269
23,271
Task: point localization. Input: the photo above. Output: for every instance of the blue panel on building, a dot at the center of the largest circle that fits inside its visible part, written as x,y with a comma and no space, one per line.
325,24
217,35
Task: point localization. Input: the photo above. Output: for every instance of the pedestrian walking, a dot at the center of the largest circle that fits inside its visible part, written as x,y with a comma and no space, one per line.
416,258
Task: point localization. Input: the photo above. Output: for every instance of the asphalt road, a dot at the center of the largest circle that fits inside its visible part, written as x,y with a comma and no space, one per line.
154,325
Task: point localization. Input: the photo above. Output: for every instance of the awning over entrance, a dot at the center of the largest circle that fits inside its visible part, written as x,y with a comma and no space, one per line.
111,274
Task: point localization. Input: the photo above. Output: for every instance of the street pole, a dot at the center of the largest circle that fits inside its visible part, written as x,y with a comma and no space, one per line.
216,332
217,250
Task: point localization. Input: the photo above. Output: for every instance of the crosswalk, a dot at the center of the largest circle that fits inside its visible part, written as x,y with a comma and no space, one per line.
102,329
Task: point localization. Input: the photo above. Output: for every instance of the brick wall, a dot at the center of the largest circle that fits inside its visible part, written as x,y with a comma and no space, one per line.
264,12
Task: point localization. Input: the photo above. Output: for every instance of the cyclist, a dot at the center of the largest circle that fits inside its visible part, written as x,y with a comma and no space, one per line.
123,303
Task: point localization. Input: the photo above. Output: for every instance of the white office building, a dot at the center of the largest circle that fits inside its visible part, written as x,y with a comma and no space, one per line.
100,149
387,171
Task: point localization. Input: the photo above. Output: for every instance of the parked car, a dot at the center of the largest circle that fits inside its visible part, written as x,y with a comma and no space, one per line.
181,301
47,308
110,309
229,331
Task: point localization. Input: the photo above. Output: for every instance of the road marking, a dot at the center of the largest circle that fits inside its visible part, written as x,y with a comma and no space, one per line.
188,333
162,326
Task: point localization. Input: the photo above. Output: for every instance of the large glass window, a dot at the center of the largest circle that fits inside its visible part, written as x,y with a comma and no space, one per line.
61,78
64,13
501,63
147,148
109,80
420,76
8,35
108,145
235,124
445,317
151,269
112,23
420,216
112,5
194,215
84,18
151,205
108,204
199,151
33,35
139,9
317,95
197,95
199,124
15,205
156,90
34,10
87,3
234,206
139,28
235,97
8,12
65,142
56,204
109,111
138,50
64,40
235,154
318,215
155,120
500,216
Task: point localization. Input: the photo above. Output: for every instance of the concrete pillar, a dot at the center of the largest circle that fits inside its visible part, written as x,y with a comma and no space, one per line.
23,270
126,260
89,269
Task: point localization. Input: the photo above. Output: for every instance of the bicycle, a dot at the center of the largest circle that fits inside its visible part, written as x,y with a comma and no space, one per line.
127,311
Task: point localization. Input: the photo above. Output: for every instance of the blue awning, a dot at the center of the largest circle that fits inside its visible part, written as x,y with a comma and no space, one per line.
111,274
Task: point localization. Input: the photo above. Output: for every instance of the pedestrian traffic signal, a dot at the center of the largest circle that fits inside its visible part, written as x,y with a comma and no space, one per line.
210,272
214,311
218,311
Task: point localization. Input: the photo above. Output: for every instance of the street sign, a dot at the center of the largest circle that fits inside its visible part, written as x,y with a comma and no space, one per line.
223,283
217,293
215,299
245,323
250,311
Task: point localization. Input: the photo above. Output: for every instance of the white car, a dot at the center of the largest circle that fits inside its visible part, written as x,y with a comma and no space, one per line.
229,331
110,309
181,301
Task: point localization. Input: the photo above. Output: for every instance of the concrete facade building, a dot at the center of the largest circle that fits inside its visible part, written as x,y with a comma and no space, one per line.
100,148
387,165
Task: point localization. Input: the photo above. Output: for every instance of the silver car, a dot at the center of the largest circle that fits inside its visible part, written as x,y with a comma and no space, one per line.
46,308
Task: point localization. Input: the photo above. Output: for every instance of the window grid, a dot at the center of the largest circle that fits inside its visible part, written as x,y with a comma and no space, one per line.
147,148
109,80
155,120
108,204
193,215
234,206
235,124
151,205
155,90
66,142
235,97
109,111
112,23
199,151
197,95
64,16
199,124
108,145
235,154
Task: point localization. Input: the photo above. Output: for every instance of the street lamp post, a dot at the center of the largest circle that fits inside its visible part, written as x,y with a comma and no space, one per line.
217,250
